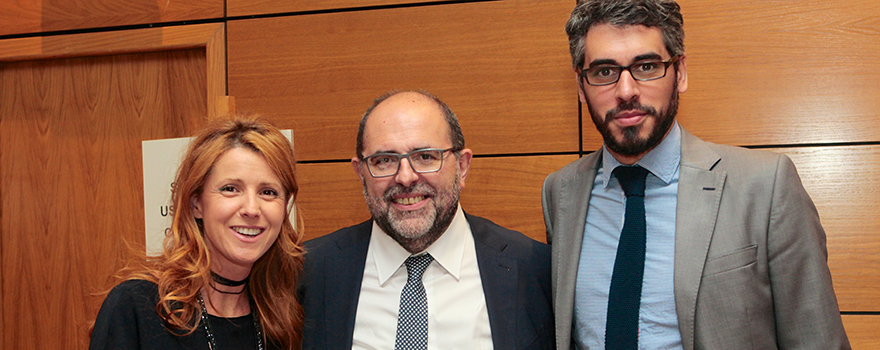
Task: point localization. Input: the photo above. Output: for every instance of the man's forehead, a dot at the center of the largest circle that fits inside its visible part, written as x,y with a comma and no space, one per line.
412,104
404,123
622,44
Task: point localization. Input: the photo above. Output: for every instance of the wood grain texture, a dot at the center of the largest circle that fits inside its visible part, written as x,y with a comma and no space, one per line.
509,81
782,72
258,7
845,192
506,190
110,43
330,197
862,331
71,169
210,38
20,17
219,103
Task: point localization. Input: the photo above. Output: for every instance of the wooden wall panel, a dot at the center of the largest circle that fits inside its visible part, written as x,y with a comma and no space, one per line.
208,38
506,190
257,7
782,72
862,331
845,192
330,197
507,80
71,174
20,17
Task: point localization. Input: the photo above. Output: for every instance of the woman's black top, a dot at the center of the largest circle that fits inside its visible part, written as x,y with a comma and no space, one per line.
128,320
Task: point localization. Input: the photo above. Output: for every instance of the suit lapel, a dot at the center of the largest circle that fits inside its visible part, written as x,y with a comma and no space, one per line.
571,207
699,197
345,272
499,275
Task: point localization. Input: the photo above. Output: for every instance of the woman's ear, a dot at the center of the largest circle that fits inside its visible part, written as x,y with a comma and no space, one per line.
197,211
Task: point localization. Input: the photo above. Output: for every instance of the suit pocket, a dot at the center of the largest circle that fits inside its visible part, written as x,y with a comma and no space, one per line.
731,261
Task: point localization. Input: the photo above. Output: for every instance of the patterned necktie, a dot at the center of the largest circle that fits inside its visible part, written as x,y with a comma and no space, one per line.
624,297
412,324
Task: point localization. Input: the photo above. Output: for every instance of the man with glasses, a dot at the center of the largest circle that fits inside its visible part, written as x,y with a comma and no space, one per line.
661,240
476,285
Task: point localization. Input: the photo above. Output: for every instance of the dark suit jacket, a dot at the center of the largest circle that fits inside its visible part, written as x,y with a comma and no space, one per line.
750,259
515,273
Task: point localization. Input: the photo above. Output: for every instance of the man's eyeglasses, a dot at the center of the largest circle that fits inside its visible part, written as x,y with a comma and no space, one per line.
606,74
426,160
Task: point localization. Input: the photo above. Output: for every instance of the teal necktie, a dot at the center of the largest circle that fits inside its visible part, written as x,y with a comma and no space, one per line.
624,297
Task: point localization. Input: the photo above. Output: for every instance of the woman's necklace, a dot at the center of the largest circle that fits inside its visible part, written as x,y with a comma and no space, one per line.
212,343
227,282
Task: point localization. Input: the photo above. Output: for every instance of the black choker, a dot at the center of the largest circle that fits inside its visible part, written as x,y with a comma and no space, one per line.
225,292
228,282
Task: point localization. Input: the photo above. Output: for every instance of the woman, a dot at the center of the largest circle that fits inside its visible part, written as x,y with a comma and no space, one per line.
226,278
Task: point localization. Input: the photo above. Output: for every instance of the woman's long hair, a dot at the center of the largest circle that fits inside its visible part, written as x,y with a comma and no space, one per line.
184,267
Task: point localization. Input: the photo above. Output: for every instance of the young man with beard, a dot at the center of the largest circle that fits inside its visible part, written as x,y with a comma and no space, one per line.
716,247
485,287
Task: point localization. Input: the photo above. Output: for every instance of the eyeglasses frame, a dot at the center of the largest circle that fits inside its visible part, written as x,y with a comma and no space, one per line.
406,155
672,60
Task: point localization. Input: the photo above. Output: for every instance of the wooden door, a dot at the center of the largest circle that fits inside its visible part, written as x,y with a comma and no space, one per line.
71,196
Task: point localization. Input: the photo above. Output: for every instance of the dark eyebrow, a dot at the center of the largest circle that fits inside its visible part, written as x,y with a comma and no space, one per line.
395,152
643,57
603,63
648,56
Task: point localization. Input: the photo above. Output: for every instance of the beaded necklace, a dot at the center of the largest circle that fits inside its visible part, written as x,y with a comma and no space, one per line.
212,343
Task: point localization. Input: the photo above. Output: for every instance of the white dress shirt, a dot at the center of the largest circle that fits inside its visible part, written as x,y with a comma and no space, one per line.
457,313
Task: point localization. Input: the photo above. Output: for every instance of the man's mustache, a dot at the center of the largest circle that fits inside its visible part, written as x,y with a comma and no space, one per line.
632,105
401,189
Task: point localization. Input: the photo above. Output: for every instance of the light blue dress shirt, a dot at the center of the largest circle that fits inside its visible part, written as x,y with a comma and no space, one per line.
658,323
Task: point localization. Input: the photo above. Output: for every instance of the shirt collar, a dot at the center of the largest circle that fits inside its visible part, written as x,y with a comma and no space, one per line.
662,161
447,251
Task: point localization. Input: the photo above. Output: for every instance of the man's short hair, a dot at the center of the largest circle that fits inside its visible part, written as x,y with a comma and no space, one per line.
455,134
663,14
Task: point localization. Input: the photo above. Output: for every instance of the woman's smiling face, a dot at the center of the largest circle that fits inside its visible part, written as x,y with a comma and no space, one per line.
242,207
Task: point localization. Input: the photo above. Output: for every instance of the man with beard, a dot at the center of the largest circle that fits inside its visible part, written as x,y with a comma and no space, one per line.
661,240
483,287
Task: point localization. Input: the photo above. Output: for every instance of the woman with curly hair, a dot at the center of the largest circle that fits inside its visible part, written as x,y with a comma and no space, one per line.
227,275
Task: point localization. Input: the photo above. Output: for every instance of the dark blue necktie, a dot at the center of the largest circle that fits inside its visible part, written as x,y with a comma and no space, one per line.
412,323
624,297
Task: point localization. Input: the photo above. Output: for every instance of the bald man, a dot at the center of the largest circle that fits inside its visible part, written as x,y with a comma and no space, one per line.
485,287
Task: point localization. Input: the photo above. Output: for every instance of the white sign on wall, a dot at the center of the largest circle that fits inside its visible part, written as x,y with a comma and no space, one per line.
161,159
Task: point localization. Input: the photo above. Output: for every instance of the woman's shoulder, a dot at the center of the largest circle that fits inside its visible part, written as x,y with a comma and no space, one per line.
135,286
132,295
131,289
128,311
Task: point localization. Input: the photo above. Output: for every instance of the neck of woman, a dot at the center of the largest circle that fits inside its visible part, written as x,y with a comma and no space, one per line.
226,305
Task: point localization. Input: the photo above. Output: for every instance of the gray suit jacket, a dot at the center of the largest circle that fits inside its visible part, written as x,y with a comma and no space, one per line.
751,266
